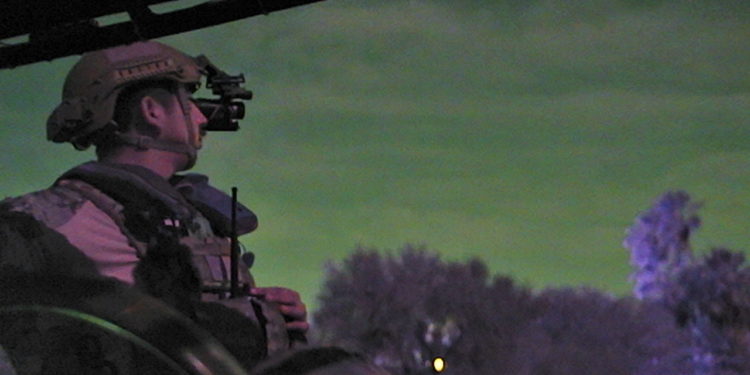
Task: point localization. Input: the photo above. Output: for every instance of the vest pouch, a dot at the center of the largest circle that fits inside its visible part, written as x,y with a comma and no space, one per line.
212,260
211,257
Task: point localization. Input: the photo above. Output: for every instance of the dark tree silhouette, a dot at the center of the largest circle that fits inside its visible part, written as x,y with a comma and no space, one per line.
711,299
583,331
404,310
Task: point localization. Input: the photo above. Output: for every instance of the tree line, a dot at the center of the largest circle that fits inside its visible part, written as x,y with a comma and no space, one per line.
414,313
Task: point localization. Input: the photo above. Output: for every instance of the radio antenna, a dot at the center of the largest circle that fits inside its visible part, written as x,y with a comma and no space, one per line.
234,289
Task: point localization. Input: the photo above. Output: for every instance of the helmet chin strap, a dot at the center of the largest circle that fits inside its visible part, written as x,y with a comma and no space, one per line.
189,149
194,139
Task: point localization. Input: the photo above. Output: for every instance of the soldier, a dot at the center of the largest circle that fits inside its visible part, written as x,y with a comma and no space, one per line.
130,213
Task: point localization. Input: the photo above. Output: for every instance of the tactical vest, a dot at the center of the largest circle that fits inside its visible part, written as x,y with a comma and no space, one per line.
148,210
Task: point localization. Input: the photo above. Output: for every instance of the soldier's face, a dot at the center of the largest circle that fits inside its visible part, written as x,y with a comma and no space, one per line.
176,129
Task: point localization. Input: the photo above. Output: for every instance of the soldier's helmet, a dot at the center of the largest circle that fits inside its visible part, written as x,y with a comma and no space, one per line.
93,84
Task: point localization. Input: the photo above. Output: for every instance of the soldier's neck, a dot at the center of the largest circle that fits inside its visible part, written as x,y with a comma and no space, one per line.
163,163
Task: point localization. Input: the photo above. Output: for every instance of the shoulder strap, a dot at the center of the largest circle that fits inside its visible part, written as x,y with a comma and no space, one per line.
133,186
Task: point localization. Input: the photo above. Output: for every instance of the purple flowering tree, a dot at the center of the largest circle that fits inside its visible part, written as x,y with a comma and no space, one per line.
709,296
659,244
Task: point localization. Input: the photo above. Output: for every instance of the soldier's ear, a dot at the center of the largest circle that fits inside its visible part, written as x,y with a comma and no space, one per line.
152,111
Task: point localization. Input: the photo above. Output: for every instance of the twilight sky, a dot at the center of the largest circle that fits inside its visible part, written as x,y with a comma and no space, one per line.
526,133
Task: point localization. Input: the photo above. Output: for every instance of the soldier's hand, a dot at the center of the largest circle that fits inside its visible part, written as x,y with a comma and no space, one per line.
290,305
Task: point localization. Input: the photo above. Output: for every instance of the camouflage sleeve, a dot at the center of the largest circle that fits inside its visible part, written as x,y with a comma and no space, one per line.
53,206
26,245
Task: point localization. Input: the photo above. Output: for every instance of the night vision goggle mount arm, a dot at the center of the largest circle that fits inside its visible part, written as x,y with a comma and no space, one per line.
224,112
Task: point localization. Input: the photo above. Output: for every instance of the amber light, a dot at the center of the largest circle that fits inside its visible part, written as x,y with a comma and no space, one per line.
438,364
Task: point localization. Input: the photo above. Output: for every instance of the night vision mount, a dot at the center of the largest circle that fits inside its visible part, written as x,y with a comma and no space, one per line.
222,113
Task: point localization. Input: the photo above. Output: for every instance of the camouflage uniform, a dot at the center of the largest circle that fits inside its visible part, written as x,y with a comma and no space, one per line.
114,213
135,226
